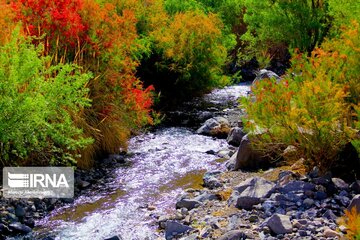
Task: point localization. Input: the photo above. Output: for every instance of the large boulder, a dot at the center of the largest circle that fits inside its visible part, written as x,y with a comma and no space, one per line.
252,191
265,74
355,203
235,136
216,127
247,158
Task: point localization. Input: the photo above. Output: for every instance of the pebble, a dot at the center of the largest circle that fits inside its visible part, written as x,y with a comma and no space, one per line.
329,233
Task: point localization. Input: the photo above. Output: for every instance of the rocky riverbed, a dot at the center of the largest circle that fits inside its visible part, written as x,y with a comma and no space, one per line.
277,204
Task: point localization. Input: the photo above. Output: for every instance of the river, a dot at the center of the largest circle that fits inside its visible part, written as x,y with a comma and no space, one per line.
164,162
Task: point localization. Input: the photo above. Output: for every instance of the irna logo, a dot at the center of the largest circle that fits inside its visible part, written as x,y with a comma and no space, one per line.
19,180
38,182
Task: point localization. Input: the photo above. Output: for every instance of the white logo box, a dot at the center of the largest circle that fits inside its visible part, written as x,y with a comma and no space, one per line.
38,182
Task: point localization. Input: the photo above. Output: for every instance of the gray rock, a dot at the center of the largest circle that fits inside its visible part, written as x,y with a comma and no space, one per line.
252,191
230,164
329,214
114,238
343,200
279,224
162,221
29,222
217,127
355,202
297,186
18,227
340,184
184,211
174,228
297,224
247,158
302,233
285,176
210,180
119,158
19,211
233,235
188,204
212,183
83,184
314,173
342,228
206,197
265,74
235,136
320,195
329,233
11,217
355,186
308,202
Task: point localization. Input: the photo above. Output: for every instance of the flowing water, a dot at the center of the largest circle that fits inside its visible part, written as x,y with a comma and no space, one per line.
163,164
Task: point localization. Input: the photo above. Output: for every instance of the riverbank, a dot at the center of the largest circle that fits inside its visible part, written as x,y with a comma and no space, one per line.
280,203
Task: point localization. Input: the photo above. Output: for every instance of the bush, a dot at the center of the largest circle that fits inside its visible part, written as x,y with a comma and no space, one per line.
351,220
274,26
314,110
193,49
38,107
102,38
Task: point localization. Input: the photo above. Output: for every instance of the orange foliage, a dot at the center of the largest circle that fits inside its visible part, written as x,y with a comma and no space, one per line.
7,24
101,38
351,220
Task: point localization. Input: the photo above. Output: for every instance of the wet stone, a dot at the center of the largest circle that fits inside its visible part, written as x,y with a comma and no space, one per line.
21,228
174,228
340,184
308,202
19,211
329,233
188,204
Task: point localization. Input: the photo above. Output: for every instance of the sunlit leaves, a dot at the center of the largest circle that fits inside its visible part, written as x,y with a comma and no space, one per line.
313,109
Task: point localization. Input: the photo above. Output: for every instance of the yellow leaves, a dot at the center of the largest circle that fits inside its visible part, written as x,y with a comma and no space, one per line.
351,220
186,32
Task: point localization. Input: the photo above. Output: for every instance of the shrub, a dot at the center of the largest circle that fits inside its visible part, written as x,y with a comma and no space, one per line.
173,7
102,38
313,110
351,220
274,26
38,106
193,49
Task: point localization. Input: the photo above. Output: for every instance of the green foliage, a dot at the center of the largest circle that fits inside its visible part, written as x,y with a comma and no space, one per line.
38,106
193,47
172,6
230,11
342,13
274,25
313,110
